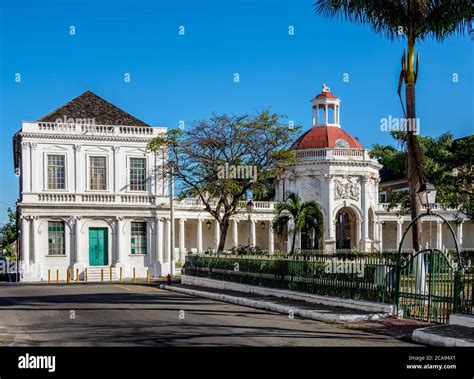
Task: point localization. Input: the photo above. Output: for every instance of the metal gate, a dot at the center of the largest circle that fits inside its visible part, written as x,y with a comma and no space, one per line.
428,286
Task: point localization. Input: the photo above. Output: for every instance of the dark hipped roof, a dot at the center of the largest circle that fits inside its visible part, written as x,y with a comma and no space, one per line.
90,106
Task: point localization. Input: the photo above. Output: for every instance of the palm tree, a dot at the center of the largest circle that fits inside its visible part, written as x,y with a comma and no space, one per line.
414,20
305,216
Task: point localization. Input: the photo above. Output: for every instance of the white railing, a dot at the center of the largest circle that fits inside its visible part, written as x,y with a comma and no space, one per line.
143,199
91,129
333,153
196,203
56,197
384,207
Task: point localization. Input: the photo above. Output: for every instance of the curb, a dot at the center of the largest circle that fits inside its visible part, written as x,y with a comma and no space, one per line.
422,336
223,285
462,320
278,308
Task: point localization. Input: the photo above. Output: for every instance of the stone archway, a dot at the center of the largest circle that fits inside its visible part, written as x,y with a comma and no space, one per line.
346,229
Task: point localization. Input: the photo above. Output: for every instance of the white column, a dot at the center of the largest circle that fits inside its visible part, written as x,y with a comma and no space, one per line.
459,233
235,233
298,241
253,234
167,252
149,239
439,234
79,258
271,239
381,235
199,235
330,221
289,241
34,171
326,114
35,250
399,231
78,164
117,174
25,167
159,240
365,209
359,234
182,252
420,274
217,234
25,240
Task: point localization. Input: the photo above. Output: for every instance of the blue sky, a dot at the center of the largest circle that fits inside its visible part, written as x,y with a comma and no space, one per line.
189,77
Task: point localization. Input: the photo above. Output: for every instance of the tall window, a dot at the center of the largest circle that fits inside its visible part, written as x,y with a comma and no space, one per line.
56,172
138,238
98,173
137,174
56,238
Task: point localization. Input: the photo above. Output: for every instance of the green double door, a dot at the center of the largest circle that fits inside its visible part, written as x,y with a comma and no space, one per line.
98,246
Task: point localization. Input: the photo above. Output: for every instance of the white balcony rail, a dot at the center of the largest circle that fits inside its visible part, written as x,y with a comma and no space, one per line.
88,129
196,203
333,153
385,207
124,199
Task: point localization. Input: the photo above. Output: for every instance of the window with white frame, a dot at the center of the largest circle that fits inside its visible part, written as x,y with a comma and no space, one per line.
138,174
56,172
383,197
138,241
98,173
56,238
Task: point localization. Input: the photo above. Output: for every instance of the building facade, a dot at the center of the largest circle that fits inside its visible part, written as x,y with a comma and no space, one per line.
91,197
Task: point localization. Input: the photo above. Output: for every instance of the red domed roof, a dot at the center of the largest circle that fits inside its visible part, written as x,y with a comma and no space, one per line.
320,137
326,95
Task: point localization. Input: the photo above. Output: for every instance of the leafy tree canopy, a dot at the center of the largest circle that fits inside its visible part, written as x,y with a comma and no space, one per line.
448,165
8,231
223,159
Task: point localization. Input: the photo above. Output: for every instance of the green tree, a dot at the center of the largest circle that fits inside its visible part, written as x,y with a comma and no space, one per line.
448,165
8,232
221,161
305,216
413,20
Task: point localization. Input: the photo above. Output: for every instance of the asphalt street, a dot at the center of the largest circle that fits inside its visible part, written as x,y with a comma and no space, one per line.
134,315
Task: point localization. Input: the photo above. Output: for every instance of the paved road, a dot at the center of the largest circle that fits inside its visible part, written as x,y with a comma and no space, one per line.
105,315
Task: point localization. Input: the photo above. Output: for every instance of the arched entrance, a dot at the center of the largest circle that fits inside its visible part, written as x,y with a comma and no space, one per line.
346,234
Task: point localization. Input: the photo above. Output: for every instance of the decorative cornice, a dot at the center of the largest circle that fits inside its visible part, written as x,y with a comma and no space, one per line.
83,137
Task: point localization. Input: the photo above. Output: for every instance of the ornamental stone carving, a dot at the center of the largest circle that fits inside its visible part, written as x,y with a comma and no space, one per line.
347,188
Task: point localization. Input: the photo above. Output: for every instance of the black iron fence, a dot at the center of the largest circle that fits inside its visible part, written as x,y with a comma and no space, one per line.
371,277
355,277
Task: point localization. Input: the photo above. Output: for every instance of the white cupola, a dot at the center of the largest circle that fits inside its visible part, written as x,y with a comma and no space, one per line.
326,109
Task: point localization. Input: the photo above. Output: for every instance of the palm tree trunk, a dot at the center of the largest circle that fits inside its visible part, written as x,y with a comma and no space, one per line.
414,158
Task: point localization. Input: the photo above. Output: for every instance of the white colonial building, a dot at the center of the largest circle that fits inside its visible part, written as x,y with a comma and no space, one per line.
90,197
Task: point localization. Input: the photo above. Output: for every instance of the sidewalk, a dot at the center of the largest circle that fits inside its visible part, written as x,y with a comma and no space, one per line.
289,307
450,335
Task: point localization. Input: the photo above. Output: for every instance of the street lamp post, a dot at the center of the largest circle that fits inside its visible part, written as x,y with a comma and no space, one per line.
427,195
172,264
249,211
